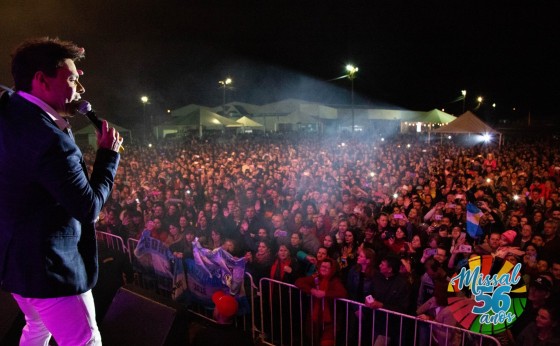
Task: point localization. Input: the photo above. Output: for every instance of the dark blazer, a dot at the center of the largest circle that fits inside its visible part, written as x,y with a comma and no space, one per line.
47,204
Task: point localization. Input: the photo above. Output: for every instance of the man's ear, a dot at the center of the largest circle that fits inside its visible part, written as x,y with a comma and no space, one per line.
39,81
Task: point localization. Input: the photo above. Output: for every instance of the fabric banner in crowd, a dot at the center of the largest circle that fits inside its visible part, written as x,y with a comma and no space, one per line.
473,219
154,259
213,270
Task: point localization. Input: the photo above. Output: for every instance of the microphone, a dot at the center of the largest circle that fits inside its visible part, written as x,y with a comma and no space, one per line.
83,107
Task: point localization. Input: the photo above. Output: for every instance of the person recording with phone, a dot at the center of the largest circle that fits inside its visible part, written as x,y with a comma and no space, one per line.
49,261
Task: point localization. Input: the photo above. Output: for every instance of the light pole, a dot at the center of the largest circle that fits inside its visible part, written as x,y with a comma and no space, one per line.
224,83
144,100
351,69
464,93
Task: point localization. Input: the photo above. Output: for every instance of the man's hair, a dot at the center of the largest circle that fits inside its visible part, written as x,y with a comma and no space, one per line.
41,54
394,263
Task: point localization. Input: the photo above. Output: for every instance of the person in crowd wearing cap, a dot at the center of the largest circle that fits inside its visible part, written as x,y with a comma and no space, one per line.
540,290
506,241
310,242
222,331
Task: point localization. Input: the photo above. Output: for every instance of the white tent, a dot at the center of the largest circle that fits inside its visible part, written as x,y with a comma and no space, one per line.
198,117
469,123
432,118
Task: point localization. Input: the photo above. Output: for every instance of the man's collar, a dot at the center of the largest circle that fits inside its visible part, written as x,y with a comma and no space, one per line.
54,115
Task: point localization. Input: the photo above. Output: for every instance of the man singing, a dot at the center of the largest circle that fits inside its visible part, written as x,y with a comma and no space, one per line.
48,206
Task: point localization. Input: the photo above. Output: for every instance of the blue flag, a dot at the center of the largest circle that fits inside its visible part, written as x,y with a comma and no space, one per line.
473,219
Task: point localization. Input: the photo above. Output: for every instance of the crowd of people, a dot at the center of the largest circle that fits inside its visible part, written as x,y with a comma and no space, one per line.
379,222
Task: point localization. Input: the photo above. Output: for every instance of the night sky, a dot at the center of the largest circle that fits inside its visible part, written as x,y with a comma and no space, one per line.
416,55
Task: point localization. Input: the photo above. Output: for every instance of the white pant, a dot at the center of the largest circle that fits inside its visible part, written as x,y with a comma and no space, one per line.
70,320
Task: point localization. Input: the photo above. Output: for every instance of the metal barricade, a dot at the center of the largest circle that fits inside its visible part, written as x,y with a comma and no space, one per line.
282,313
285,314
131,245
112,241
365,326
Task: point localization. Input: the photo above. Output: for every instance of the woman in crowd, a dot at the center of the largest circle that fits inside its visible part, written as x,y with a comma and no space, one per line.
284,268
530,260
332,247
295,244
174,235
348,252
215,240
544,331
397,244
323,288
259,263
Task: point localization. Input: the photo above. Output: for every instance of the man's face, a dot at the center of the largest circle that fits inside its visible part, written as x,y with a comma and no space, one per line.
382,222
158,211
385,268
325,269
172,210
440,255
250,212
321,254
537,240
556,270
494,241
549,229
294,240
276,221
64,87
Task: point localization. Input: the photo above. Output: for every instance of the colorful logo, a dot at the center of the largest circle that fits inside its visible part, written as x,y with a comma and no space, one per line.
488,296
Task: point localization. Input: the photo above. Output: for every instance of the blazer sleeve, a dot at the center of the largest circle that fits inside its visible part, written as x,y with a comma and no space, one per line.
61,173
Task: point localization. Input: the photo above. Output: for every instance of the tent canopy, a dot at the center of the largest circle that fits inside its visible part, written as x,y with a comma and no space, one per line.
248,122
435,116
467,123
201,116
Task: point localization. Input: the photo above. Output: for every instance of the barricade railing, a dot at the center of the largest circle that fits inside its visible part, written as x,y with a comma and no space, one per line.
286,319
282,313
365,326
112,241
131,244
